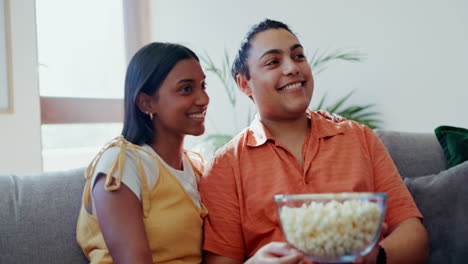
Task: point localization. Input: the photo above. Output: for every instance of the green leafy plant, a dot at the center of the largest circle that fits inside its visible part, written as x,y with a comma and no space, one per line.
360,113
223,73
319,61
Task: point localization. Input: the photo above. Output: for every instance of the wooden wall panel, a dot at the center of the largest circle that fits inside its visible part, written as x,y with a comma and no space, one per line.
61,110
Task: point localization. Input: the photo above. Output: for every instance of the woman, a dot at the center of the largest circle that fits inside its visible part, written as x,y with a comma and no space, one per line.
141,202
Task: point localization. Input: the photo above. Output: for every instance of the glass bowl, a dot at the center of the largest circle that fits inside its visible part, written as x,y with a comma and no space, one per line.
332,227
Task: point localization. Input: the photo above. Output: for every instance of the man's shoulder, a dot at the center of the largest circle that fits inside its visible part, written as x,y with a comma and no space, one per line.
232,146
229,154
349,130
335,121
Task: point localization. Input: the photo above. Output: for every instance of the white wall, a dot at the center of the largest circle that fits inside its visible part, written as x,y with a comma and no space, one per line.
417,54
414,72
20,140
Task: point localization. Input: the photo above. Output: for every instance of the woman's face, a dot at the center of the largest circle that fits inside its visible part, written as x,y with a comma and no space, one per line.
281,82
181,102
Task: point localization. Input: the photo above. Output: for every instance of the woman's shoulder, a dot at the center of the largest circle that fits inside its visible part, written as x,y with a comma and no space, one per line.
121,159
196,160
120,147
120,153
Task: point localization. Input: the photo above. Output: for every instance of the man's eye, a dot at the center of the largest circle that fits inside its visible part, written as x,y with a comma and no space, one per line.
203,86
271,62
300,56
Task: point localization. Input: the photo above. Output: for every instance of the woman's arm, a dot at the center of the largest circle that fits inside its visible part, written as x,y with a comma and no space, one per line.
120,218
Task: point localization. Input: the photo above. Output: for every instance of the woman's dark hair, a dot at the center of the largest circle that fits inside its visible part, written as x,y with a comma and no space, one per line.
145,73
239,66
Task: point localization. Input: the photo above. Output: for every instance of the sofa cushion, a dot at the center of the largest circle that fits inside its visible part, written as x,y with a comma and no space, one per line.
38,215
454,142
414,154
443,201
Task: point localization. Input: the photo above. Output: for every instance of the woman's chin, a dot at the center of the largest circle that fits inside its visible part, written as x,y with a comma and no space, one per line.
197,132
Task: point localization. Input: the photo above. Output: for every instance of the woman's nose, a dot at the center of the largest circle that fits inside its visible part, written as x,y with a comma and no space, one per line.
202,99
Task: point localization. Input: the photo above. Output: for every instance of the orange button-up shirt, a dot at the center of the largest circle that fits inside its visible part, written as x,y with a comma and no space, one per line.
239,183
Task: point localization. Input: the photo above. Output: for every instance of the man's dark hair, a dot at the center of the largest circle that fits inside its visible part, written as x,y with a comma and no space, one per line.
239,66
146,72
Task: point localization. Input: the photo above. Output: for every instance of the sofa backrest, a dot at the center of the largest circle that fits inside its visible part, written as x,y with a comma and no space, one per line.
414,154
38,215
439,192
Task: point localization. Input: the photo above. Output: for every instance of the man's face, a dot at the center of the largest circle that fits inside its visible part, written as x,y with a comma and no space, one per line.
281,81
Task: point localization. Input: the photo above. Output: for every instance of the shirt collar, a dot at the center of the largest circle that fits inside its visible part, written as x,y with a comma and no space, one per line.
258,134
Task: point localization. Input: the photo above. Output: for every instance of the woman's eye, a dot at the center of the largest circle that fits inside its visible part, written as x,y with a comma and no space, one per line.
186,89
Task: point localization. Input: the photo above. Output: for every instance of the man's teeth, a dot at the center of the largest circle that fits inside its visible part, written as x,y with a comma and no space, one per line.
291,86
197,116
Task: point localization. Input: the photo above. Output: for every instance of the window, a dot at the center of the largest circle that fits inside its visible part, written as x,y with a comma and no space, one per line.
82,51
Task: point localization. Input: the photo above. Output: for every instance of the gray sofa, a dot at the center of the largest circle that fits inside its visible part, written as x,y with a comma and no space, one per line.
38,212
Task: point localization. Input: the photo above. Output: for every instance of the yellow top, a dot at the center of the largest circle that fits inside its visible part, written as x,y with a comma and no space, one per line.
173,222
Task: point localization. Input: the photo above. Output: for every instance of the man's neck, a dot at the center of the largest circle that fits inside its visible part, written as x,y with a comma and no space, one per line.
290,133
291,128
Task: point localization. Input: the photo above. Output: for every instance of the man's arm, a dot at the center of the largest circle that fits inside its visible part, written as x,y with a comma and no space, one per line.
407,239
407,242
211,258
271,253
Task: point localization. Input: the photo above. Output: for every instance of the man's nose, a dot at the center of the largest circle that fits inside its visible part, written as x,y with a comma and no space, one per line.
290,67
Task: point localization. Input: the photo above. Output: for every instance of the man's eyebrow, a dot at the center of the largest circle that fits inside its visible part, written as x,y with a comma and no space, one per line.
272,51
296,46
278,51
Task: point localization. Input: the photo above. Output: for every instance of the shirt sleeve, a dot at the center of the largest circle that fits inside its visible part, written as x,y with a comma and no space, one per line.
131,178
222,227
400,203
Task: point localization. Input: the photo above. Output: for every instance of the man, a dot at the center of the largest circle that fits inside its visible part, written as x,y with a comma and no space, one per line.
289,149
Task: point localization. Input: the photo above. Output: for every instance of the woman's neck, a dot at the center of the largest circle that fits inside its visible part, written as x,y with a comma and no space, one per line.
170,149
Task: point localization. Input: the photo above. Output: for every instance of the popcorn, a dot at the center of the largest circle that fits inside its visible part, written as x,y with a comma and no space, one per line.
331,229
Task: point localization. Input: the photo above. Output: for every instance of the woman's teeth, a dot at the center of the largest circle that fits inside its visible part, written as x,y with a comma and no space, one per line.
291,86
197,116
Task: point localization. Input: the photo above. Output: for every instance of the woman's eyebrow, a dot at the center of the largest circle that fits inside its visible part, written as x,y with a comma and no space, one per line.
185,80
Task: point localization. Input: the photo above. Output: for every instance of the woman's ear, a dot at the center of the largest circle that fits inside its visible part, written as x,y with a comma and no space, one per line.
144,102
243,84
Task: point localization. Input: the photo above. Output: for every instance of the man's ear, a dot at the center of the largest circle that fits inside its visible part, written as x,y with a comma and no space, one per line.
145,102
243,84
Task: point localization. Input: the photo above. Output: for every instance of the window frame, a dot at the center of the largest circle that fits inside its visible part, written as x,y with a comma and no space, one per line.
72,110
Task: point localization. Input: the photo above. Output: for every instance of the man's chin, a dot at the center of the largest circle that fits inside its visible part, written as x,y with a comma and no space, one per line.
299,108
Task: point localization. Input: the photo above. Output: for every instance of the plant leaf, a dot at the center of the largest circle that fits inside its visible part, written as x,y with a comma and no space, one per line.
340,102
217,140
322,102
319,62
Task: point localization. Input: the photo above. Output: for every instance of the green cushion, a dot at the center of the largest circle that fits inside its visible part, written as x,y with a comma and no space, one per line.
454,142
